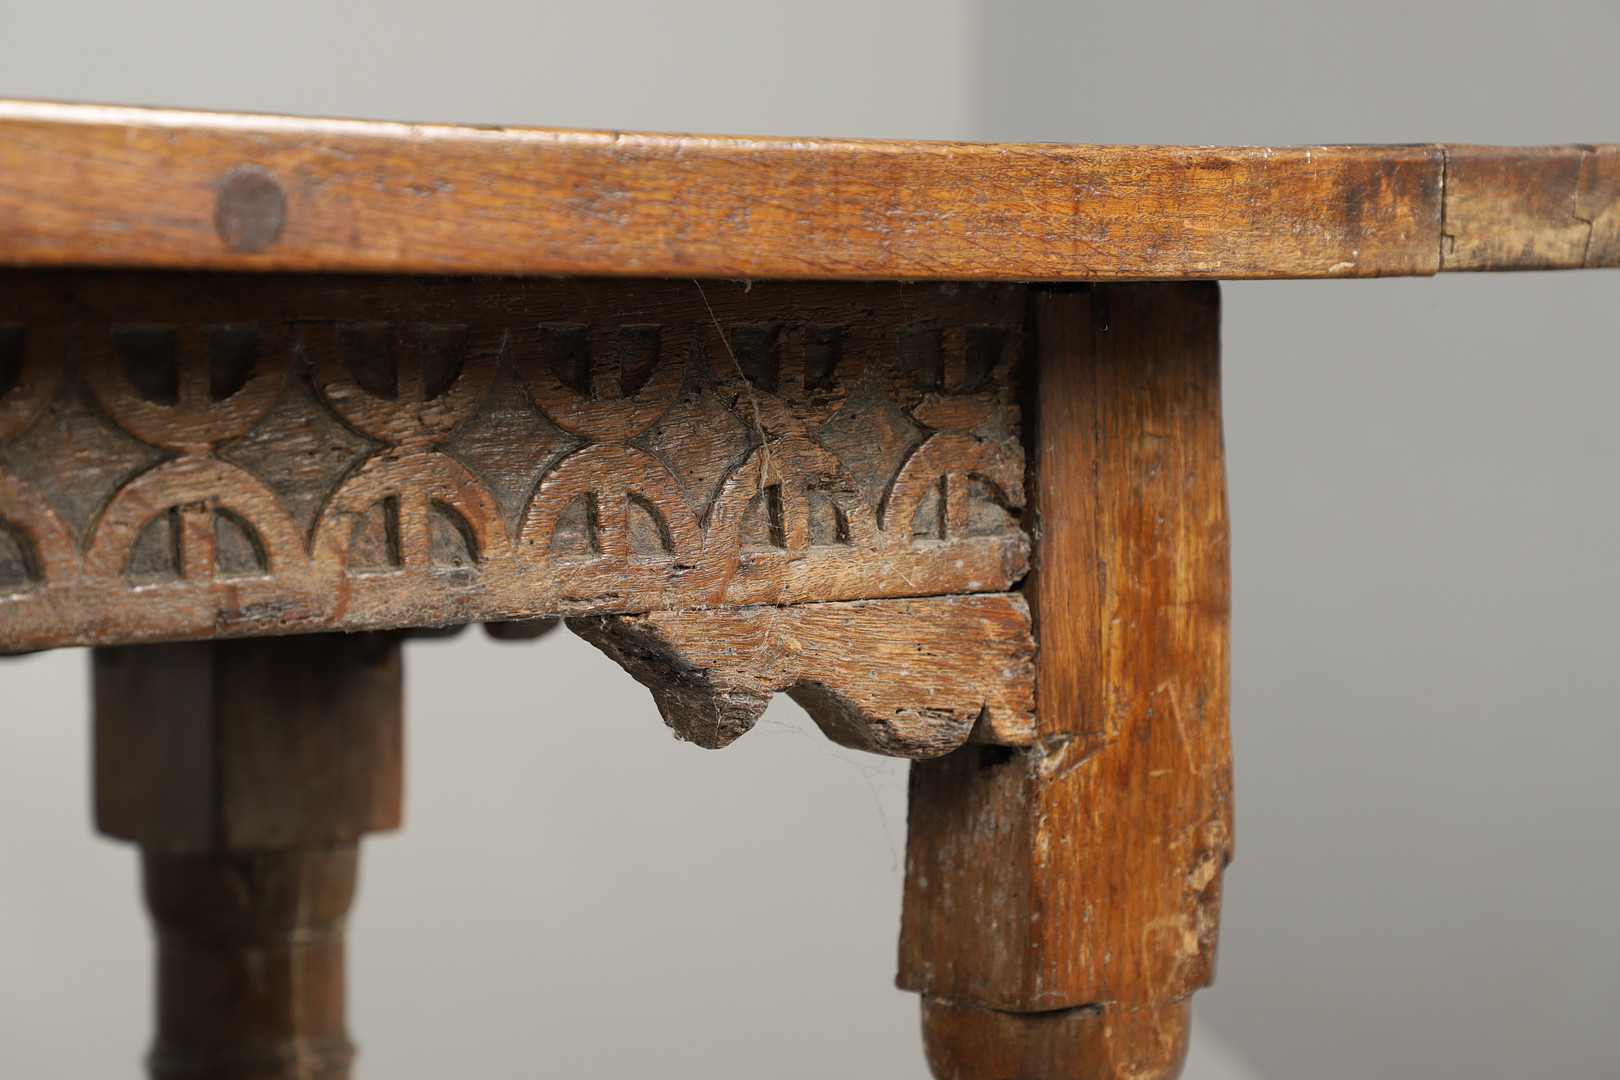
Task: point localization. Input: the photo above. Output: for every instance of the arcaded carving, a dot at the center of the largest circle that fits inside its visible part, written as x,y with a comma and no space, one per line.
262,455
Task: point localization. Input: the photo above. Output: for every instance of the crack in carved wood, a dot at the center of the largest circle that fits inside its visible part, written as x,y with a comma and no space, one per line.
229,455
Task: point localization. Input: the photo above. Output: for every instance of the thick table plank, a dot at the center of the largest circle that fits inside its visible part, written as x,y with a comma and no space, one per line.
125,187
104,186
1531,208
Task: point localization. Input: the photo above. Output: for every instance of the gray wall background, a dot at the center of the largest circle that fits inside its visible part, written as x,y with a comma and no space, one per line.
1424,503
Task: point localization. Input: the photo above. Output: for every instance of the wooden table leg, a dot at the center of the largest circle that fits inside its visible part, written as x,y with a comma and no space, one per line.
247,771
1061,902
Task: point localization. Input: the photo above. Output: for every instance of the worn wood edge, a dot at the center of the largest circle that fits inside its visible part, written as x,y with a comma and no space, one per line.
1097,1042
250,963
129,187
907,678
1087,869
1531,208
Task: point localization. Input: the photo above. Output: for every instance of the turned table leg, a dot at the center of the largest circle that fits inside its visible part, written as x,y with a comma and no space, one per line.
1061,902
247,771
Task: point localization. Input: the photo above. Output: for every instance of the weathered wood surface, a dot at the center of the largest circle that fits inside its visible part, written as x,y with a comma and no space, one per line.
124,187
1532,208
197,455
964,1042
204,748
250,973
1086,871
908,678
88,185
247,772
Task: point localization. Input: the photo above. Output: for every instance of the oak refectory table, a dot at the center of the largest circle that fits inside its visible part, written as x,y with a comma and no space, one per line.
925,435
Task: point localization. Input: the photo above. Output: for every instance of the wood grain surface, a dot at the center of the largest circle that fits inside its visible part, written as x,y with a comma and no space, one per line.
250,966
106,186
1532,208
907,678
102,186
219,747
1086,871
201,455
247,771
964,1042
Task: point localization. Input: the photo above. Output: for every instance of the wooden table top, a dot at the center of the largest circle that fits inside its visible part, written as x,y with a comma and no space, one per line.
84,185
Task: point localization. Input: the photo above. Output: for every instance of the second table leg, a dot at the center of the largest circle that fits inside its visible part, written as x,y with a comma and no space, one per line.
247,771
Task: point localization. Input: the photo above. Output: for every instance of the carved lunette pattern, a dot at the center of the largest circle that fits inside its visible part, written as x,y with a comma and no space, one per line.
186,456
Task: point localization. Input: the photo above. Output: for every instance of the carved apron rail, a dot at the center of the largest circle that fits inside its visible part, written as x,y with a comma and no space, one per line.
185,456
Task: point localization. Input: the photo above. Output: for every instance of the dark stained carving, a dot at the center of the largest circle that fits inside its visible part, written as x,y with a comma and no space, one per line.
155,554
566,351
443,351
149,361
19,566
982,351
823,348
700,438
368,353
75,457
871,436
232,354
13,343
238,551
301,451
509,445
638,355
758,353
922,358
282,454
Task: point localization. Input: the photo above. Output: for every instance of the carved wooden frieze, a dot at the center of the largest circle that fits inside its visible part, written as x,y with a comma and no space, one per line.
195,455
